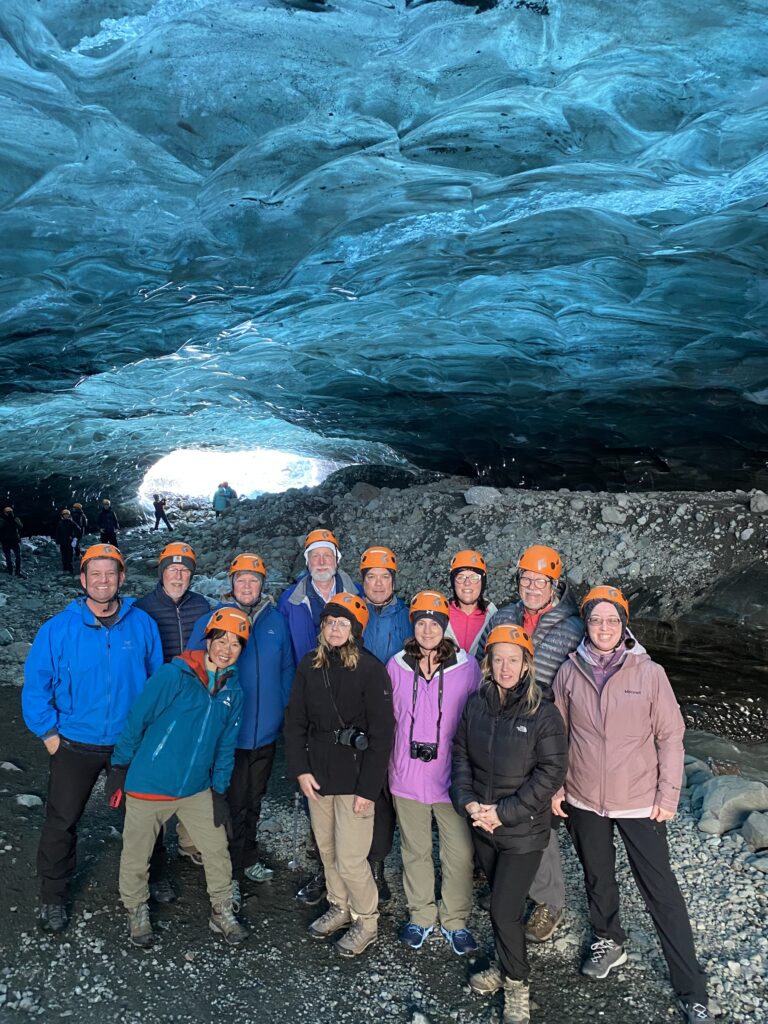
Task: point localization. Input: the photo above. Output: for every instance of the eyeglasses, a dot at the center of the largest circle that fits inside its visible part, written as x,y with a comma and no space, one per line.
527,583
338,623
597,623
468,577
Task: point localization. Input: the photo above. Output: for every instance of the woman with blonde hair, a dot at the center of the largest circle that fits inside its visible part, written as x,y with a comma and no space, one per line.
509,759
338,736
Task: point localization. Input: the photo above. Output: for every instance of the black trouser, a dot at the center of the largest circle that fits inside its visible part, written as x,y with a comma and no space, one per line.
161,516
648,854
509,875
8,551
67,552
247,787
74,769
108,537
383,825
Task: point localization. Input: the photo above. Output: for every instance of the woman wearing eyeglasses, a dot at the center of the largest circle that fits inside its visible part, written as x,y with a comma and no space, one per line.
469,612
338,737
625,765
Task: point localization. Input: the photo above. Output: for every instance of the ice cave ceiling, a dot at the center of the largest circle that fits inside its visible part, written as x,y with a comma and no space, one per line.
529,238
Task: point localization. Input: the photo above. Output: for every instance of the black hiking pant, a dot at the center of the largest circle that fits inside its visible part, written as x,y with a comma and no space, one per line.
74,769
11,552
67,553
250,777
645,842
161,517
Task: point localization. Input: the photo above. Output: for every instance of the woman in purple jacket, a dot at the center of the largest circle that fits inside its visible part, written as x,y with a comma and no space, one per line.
431,682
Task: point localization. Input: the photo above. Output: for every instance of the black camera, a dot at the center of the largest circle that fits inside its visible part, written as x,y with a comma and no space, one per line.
423,751
352,737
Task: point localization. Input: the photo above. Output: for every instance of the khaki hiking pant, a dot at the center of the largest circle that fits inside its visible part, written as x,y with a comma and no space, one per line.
344,839
456,862
143,821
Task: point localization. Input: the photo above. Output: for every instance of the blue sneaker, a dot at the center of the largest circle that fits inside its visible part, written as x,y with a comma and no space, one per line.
461,941
413,935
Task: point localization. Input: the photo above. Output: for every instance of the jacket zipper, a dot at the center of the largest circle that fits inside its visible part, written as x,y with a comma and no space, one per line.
181,634
109,684
199,742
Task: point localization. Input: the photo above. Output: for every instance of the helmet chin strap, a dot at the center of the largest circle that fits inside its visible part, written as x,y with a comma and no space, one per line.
101,604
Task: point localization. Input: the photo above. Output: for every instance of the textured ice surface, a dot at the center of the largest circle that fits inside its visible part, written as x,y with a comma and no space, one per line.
530,236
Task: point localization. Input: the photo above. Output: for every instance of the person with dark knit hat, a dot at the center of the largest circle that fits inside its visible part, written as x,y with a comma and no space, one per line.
470,612
338,737
625,766
431,682
174,607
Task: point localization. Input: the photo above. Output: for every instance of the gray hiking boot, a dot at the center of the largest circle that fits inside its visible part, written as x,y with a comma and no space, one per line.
237,896
486,982
162,891
603,956
516,1002
223,922
259,872
359,937
139,926
328,923
53,917
542,924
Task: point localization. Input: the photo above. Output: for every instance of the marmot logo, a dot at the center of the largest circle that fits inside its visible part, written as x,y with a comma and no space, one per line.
636,692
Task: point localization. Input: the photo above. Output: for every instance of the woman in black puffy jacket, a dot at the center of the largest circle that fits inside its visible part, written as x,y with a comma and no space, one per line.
510,756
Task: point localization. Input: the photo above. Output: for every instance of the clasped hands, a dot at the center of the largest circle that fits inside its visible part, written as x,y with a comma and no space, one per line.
483,816
309,786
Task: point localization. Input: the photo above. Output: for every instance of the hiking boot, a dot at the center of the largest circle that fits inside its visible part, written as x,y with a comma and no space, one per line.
385,893
237,897
605,954
223,922
695,1013
461,941
328,923
139,926
191,853
516,1002
259,872
359,937
487,982
53,917
313,891
542,924
162,891
414,935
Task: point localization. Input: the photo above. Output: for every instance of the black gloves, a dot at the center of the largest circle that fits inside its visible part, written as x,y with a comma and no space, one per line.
115,785
221,815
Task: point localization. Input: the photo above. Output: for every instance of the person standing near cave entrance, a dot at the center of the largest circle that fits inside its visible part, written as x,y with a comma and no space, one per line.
67,536
302,606
86,667
625,766
547,612
161,515
107,523
10,539
80,519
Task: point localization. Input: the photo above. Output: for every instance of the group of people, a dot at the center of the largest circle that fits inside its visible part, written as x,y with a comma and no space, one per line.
495,724
224,498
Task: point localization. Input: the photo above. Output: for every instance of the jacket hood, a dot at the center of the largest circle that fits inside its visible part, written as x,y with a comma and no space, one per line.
636,650
194,661
300,590
80,608
512,706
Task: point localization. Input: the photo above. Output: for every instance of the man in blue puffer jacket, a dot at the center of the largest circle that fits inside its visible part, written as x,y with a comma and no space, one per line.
175,756
174,607
266,671
86,667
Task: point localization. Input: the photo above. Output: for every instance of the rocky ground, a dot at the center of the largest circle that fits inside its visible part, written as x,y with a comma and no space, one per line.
691,563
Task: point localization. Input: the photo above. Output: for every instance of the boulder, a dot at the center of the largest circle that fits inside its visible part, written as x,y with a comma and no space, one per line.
755,830
6,637
612,514
725,802
759,502
29,800
19,650
364,492
482,496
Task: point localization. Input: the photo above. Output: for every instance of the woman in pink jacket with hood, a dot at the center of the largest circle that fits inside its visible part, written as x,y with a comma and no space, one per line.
625,766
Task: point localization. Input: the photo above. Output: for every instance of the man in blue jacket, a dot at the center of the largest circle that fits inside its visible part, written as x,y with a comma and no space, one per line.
86,667
266,669
389,626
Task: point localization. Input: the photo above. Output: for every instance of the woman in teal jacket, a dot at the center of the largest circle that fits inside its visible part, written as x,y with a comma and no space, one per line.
175,756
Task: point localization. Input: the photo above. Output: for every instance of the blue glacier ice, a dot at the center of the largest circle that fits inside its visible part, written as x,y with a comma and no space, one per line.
525,240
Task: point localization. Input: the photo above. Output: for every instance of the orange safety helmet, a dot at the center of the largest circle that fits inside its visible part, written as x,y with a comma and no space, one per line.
76,504
350,606
541,559
429,602
7,509
604,593
66,512
248,562
102,551
321,537
177,553
510,634
232,620
469,560
378,558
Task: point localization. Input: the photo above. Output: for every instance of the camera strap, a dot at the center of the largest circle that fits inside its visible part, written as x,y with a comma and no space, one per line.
327,682
439,703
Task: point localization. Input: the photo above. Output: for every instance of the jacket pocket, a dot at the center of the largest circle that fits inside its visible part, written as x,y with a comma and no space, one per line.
62,692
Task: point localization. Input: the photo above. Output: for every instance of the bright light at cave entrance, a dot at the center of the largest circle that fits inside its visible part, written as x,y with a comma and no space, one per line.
192,473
